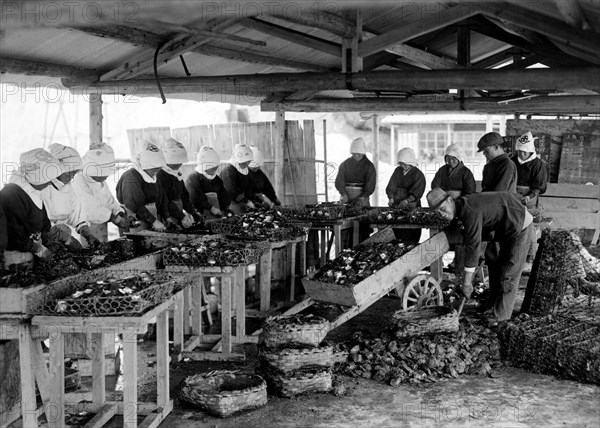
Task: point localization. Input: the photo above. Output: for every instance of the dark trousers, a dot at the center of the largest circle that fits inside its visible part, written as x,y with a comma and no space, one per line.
505,261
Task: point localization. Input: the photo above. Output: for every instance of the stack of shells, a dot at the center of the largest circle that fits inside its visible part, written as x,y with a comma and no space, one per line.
293,359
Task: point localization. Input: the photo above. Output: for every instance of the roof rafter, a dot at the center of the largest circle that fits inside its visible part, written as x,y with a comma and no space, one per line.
38,68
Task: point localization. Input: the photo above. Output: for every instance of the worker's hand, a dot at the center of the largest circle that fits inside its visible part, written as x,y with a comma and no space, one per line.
250,205
197,217
158,226
41,252
277,203
267,205
120,220
187,221
171,224
89,237
390,202
59,233
216,211
363,201
73,245
467,289
404,203
344,199
525,200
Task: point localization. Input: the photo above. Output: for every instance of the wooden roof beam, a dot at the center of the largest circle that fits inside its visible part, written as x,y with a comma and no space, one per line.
177,45
410,30
553,28
122,33
434,62
333,28
38,68
293,36
572,104
425,80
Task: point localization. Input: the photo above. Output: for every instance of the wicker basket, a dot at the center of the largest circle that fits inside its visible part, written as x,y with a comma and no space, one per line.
215,253
300,382
314,213
433,320
286,231
223,393
289,331
288,360
57,300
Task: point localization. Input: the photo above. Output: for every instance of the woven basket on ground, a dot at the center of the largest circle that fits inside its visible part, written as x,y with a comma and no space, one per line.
223,393
289,331
72,379
300,382
288,360
432,320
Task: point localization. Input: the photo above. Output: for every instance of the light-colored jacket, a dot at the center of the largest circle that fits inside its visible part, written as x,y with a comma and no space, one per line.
97,201
63,206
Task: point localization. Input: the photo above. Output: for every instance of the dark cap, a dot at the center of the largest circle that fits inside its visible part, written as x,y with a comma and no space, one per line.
489,139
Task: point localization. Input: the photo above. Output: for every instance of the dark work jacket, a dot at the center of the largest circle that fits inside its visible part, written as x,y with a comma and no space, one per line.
532,174
460,178
237,184
483,213
135,194
23,218
198,186
260,183
175,190
499,175
361,172
402,186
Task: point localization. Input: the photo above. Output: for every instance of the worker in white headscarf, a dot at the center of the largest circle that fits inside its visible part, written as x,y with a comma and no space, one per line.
532,180
170,178
405,189
205,187
454,177
99,204
28,229
236,180
62,205
262,193
139,192
356,177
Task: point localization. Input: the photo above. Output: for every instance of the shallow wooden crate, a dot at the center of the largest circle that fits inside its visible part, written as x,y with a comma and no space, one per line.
14,300
384,280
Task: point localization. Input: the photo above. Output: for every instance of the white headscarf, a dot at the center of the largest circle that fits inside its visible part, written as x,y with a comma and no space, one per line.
69,159
525,143
37,167
99,162
241,153
149,157
207,159
174,152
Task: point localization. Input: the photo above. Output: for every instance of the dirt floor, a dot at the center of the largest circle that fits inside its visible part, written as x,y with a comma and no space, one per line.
510,397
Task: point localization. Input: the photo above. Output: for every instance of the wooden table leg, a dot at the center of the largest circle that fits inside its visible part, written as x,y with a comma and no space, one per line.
337,233
437,266
178,324
98,369
187,295
355,233
196,305
292,292
55,411
162,358
130,374
28,404
40,369
226,313
266,261
323,246
303,258
240,296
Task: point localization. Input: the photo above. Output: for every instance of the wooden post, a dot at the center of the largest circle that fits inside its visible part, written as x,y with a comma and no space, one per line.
278,145
376,157
162,358
28,403
98,369
95,120
226,312
325,160
55,409
130,374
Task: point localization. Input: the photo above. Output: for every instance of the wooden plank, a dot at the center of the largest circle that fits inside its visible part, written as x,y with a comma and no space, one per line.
263,273
573,205
293,36
162,358
178,316
40,370
430,60
292,290
95,120
38,68
564,190
98,369
197,308
151,421
240,297
226,314
214,356
566,220
384,280
130,374
55,411
103,416
409,30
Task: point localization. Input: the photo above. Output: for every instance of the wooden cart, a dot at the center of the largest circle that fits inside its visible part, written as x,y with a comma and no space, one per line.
405,276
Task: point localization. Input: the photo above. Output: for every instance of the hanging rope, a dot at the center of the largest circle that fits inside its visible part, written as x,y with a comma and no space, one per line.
162,94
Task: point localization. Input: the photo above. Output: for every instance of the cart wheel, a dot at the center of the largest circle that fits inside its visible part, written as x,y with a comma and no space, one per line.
423,290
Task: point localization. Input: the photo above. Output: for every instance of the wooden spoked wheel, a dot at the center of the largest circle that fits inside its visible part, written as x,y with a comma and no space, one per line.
422,291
